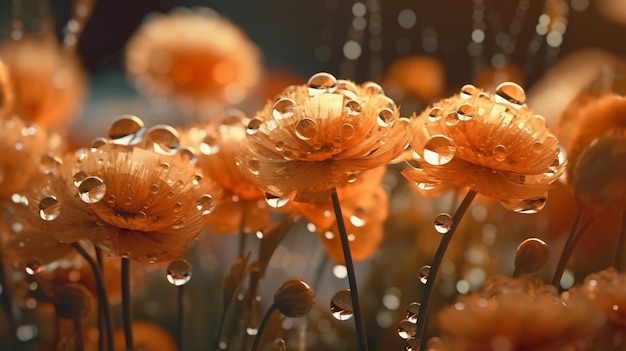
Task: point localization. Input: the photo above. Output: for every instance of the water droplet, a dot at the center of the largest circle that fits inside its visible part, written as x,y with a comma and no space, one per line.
424,272
196,179
499,153
188,155
347,131
253,126
439,150
276,201
443,223
372,88
206,204
178,206
385,117
49,208
254,166
353,108
280,345
537,147
341,305
163,139
209,145
306,129
322,83
531,256
412,311
452,119
467,91
352,177
98,143
512,93
407,329
179,272
530,206
357,220
283,108
465,112
33,266
91,190
414,345
79,177
126,130
154,188
49,163
435,114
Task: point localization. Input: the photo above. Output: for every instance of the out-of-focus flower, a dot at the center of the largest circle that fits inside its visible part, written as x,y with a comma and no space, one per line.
607,289
423,77
490,77
139,196
6,91
511,315
193,57
364,206
48,82
294,298
491,143
317,137
148,336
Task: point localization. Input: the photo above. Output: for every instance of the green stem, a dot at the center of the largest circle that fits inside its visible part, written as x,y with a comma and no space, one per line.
621,243
354,294
259,335
126,309
434,268
576,232
103,300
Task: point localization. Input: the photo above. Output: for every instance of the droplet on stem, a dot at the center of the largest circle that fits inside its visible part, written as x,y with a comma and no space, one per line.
179,272
341,305
424,272
443,223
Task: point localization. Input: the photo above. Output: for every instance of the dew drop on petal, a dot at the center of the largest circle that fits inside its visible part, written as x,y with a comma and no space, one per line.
49,208
465,112
512,93
276,201
537,147
357,221
347,131
439,150
435,114
341,305
352,177
412,310
283,108
49,163
322,83
385,117
452,119
443,223
353,108
529,206
98,143
206,204
253,166
531,256
163,139
33,266
209,145
126,130
179,272
499,153
253,126
423,275
92,190
78,177
306,129
407,329
467,91
372,88
188,155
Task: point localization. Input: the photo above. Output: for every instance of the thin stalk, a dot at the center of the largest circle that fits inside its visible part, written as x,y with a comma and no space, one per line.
181,316
434,268
78,335
576,232
259,335
101,320
621,245
242,233
7,303
354,294
103,300
126,309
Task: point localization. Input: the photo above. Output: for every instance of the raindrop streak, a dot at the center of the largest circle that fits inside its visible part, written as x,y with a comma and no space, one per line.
283,108
49,208
509,92
424,272
126,130
412,311
322,83
439,150
164,139
341,305
179,272
206,204
33,266
276,201
406,329
443,223
92,190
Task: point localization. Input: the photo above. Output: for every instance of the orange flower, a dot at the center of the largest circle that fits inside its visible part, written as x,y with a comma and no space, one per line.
607,289
193,58
317,137
6,92
491,143
136,195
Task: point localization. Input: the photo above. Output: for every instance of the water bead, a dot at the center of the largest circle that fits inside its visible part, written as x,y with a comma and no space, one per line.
276,201
423,274
499,153
78,178
283,108
467,91
49,208
512,93
98,143
164,139
347,131
253,166
531,255
179,272
357,221
385,117
435,114
49,163
443,223
452,119
322,83
353,108
407,329
529,206
126,130
209,145
91,190
372,88
33,266
352,177
465,112
413,344
253,126
341,305
439,150
206,204
306,129
195,181
412,311
280,345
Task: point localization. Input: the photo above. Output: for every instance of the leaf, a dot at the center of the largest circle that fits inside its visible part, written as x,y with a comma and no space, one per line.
238,272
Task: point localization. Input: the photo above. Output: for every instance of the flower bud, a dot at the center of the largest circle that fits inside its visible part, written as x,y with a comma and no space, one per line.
72,301
294,298
531,255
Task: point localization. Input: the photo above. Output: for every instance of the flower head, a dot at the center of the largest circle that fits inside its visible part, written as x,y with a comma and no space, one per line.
607,289
137,195
319,136
491,143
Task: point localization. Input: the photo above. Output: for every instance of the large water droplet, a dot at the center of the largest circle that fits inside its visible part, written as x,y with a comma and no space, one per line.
435,114
443,223
341,305
126,130
465,112
33,266
499,153
347,131
531,256
322,83
253,126
209,145
372,88
407,329
163,139
276,201
49,163
530,206
92,190
512,93
423,275
467,91
353,108
385,118
412,311
49,208
283,108
206,204
179,272
79,177
439,150
306,129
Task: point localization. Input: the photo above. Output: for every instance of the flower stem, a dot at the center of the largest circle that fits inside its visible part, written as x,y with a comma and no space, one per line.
576,232
126,312
242,233
621,243
181,315
7,303
78,335
103,301
354,294
259,335
434,269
